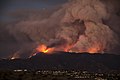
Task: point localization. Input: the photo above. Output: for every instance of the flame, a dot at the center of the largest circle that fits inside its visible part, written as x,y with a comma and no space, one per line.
15,55
13,58
95,49
68,48
44,49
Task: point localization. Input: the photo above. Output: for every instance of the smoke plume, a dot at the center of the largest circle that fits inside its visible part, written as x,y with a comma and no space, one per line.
78,25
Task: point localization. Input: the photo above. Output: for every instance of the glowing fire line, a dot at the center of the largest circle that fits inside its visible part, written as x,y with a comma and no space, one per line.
44,49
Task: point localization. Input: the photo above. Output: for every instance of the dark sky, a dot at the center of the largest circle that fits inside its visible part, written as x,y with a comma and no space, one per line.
12,5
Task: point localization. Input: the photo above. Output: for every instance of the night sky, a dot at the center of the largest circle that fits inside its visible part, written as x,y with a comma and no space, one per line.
7,6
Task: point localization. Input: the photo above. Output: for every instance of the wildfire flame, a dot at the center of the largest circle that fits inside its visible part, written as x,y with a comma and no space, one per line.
13,58
44,49
96,48
15,55
93,50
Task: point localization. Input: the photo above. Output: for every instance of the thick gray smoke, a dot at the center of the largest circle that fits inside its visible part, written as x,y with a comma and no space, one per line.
78,25
97,34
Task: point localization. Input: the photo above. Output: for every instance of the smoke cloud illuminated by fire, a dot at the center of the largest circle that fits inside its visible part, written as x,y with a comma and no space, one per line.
78,26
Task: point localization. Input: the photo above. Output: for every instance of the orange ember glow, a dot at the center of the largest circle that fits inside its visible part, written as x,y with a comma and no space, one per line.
44,49
67,48
92,50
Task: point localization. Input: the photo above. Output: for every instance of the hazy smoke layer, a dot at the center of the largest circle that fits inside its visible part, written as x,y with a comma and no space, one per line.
78,25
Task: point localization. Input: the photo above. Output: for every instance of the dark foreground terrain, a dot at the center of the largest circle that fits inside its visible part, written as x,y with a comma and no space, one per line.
65,61
62,66
56,75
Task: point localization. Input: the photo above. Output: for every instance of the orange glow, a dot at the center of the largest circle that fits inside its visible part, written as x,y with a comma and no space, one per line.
93,50
44,49
67,48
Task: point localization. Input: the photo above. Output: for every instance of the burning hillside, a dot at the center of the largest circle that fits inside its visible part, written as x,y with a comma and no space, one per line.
76,26
47,50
